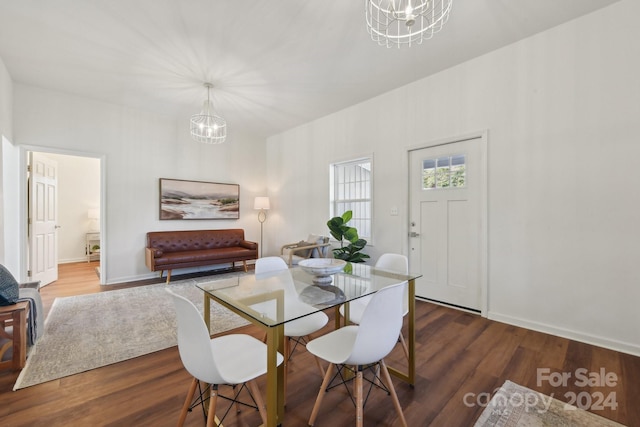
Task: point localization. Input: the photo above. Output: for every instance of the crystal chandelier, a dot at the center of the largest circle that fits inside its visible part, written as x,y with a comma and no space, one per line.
405,22
206,126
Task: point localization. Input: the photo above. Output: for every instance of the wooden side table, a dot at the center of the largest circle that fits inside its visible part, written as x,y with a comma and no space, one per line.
15,316
92,241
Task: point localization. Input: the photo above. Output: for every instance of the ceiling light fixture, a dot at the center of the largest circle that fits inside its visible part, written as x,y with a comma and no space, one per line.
405,22
207,127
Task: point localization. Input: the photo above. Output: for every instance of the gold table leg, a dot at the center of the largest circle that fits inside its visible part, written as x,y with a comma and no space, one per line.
207,311
347,315
275,376
410,376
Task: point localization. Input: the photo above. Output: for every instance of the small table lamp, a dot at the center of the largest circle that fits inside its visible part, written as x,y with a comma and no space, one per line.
94,216
261,203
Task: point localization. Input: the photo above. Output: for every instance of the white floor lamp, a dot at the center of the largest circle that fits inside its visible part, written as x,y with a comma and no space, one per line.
261,203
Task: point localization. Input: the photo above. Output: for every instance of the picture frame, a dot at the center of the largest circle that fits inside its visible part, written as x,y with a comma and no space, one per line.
200,200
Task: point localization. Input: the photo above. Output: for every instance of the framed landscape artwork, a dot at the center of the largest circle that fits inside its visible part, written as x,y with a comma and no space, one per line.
180,199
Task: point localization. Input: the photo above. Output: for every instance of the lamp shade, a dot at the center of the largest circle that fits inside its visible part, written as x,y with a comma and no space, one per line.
208,127
93,214
261,203
405,22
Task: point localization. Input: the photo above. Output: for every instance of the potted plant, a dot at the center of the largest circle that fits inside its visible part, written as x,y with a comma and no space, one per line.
343,232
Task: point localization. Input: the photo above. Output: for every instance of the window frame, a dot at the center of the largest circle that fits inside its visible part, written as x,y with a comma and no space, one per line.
333,193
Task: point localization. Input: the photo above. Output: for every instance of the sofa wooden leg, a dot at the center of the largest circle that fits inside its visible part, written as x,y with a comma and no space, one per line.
168,276
245,266
17,314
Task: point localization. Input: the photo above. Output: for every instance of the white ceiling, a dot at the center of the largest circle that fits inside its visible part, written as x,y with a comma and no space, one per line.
274,64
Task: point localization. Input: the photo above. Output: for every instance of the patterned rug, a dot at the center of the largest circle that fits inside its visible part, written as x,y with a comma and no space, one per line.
514,405
90,331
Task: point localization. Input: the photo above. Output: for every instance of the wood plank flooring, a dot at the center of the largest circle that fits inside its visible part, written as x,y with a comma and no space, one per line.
462,359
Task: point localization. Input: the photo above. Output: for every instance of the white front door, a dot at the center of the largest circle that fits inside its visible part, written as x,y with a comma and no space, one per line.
43,218
447,242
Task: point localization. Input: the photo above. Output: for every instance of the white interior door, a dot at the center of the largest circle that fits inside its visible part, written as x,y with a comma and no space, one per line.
43,217
448,222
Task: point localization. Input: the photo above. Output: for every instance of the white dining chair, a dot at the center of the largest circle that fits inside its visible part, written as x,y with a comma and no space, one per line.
298,330
270,264
235,359
395,263
356,347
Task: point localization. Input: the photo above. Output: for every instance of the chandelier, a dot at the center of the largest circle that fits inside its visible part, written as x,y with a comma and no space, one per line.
405,22
206,126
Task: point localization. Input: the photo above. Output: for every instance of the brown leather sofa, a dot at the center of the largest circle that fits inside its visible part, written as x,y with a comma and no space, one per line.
168,250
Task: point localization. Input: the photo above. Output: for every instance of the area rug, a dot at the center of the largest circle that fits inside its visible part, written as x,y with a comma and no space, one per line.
514,405
89,331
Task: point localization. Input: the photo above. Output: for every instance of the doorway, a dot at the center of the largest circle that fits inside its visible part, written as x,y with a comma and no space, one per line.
70,198
448,222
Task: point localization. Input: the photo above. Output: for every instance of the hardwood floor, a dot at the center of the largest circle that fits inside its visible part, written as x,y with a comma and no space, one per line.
462,358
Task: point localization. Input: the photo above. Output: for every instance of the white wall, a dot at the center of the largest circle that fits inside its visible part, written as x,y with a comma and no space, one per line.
6,102
138,149
562,110
10,196
6,133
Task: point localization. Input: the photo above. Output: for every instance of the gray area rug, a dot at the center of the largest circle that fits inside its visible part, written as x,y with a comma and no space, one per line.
89,331
516,406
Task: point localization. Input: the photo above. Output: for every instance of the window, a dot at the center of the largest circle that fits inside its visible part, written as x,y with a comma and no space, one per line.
351,190
444,172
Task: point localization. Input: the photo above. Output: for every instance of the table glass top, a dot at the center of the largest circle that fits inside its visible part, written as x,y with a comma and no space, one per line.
279,297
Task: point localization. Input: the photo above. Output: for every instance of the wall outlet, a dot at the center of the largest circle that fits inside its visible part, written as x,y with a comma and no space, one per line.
394,211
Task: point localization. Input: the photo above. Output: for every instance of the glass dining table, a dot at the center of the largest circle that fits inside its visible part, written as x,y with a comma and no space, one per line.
273,299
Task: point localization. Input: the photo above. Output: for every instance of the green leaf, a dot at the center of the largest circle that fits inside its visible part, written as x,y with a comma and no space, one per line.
359,244
335,222
351,234
335,228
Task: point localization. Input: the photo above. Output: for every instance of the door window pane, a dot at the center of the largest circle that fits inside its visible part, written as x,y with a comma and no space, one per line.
458,171
428,174
444,172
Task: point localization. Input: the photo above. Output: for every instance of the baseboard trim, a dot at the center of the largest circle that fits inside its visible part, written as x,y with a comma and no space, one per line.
175,275
128,279
615,345
72,260
444,304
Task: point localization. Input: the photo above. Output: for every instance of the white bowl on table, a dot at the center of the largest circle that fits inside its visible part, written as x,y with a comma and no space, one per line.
322,268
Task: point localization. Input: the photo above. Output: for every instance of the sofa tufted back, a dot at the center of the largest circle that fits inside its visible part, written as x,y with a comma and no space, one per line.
193,240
